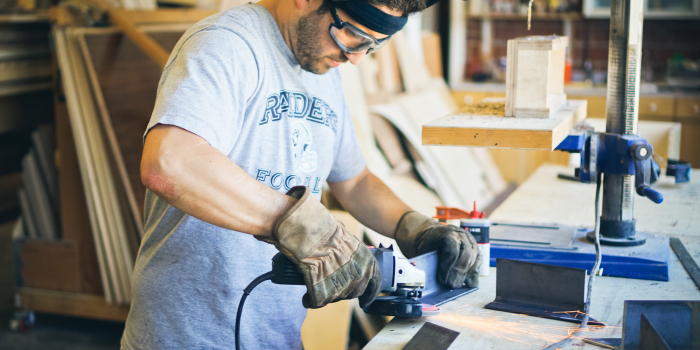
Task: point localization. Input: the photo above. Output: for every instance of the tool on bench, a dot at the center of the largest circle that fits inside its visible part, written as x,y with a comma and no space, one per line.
410,284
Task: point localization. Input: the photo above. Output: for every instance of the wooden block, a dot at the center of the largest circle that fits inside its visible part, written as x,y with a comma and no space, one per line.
535,76
51,265
71,304
461,129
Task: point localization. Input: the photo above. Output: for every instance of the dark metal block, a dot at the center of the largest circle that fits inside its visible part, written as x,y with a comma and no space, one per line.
649,338
676,321
432,336
540,290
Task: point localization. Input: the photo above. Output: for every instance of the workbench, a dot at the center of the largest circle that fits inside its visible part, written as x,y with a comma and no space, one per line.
545,199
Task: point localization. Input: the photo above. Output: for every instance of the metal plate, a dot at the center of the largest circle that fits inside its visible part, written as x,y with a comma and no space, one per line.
432,336
434,293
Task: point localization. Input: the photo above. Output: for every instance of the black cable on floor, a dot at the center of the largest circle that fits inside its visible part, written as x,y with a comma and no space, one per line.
262,278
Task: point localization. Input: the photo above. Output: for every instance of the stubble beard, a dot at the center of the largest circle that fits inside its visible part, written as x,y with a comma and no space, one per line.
309,51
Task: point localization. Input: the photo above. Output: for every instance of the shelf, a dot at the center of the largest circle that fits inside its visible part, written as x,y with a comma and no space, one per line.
38,16
574,16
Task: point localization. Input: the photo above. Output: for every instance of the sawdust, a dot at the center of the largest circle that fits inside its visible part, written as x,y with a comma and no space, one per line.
486,108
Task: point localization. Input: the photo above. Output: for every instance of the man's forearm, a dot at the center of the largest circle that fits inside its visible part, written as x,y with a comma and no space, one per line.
371,202
191,175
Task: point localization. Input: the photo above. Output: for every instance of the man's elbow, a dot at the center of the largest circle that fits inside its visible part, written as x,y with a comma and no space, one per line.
157,176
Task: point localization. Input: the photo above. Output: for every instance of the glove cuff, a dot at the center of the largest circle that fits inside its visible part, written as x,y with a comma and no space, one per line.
408,229
306,225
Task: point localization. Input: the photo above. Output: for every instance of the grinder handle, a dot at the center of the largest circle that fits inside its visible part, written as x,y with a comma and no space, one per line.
285,272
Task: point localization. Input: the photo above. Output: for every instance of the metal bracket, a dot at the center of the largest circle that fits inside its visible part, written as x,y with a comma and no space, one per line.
676,321
541,290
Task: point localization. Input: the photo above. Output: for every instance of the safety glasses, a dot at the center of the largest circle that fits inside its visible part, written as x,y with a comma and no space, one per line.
351,39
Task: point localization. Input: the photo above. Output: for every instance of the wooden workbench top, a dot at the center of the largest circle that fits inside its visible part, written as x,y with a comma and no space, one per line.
545,199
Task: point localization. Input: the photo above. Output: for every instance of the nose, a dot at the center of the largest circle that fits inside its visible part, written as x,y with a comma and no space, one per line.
355,58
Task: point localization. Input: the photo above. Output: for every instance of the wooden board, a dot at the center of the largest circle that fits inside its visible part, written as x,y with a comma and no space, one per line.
460,129
545,199
71,304
75,224
53,265
166,15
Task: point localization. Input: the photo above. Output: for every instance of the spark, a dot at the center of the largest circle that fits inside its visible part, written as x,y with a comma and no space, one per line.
512,327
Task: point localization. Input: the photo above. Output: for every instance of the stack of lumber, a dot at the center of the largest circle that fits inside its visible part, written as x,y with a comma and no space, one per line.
39,196
112,225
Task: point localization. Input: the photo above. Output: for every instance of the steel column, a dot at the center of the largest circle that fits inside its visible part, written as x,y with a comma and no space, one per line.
624,63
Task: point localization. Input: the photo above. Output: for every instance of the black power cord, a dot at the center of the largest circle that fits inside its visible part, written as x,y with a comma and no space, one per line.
598,259
262,278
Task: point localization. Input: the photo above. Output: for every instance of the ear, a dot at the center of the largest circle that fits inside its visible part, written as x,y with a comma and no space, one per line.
302,4
306,6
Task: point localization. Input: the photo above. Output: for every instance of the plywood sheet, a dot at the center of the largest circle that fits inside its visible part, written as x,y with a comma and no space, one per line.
460,129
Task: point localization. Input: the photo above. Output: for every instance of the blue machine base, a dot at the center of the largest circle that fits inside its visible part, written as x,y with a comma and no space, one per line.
568,246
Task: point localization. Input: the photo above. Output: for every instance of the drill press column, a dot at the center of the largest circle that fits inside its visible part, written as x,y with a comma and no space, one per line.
624,63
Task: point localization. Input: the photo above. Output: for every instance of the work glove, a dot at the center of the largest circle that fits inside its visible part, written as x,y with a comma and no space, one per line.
336,265
458,254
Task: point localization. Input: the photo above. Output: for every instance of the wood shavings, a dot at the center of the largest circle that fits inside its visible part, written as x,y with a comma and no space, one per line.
486,108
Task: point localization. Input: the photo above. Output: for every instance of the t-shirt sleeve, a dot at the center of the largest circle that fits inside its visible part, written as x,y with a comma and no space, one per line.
349,160
205,87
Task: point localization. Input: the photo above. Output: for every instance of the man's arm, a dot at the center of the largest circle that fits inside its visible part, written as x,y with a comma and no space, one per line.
187,172
370,201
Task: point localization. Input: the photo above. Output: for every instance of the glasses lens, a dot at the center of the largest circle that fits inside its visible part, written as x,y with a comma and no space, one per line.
352,40
379,46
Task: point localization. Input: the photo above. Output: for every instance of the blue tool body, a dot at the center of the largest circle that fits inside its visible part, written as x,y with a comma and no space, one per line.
568,246
600,153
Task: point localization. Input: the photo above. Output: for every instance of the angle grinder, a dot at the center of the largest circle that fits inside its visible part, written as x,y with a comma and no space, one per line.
402,286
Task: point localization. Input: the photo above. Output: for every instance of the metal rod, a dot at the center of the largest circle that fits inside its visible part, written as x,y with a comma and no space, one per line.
624,63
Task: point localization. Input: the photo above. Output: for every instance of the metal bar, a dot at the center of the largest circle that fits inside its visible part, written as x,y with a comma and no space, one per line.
686,260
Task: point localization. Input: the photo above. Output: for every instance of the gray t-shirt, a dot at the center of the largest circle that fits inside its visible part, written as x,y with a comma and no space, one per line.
232,80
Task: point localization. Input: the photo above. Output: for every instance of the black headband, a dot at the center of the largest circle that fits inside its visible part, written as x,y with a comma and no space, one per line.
374,18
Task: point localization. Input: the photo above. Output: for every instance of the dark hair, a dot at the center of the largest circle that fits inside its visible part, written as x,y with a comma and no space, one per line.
406,7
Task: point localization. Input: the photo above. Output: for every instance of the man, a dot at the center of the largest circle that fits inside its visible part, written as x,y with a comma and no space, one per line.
248,109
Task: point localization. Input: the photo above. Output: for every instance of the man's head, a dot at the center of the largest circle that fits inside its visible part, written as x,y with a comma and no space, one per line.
314,47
